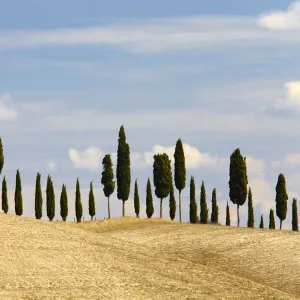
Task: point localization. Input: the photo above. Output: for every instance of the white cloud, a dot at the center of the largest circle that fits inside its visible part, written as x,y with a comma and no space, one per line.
193,158
88,159
51,166
255,165
262,192
282,20
8,110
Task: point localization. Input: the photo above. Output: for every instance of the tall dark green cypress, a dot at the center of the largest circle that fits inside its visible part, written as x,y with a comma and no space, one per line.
214,208
238,181
78,204
136,199
4,196
295,216
162,177
18,195
38,198
64,203
107,179
179,171
271,219
203,205
281,199
227,215
250,210
261,224
172,204
149,200
92,208
50,196
193,203
123,169
1,156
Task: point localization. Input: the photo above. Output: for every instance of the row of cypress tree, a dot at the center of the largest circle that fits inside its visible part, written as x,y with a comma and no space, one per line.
163,182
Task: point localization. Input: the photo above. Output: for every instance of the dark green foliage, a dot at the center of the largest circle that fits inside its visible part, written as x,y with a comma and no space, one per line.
172,204
271,219
78,204
1,156
203,205
179,171
136,199
92,208
261,224
64,203
38,198
214,208
18,196
193,203
4,196
123,168
162,177
238,180
50,197
281,198
250,210
227,215
295,216
149,200
107,179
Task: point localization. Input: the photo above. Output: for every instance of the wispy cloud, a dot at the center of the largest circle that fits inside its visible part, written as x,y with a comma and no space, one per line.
154,35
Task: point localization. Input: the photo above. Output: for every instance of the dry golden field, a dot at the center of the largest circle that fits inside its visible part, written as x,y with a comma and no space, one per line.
145,259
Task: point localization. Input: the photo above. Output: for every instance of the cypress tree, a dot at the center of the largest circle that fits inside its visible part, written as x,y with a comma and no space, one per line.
136,199
203,205
271,219
261,225
193,203
92,208
4,196
214,209
295,216
238,180
107,179
250,210
179,171
162,177
78,204
149,200
281,198
18,196
172,204
123,169
227,215
50,199
1,156
38,198
64,203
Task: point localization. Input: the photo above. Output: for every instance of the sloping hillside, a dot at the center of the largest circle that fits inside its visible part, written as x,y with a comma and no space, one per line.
141,259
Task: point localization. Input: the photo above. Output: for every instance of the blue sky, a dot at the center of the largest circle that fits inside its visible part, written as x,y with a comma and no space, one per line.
218,74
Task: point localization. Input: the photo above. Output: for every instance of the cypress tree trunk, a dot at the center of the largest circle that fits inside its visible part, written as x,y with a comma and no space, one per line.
180,205
108,207
238,215
161,199
123,208
280,224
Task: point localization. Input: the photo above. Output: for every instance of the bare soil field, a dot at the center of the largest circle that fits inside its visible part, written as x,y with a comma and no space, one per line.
130,258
